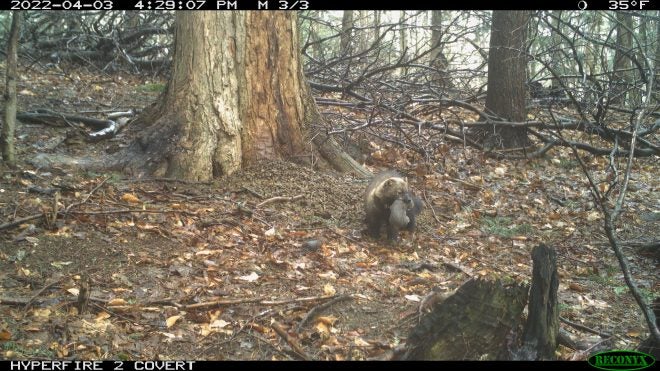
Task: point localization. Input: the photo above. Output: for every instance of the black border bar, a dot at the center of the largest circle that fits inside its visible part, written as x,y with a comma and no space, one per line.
151,5
154,365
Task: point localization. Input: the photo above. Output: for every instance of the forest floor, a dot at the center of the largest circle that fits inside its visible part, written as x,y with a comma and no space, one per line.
209,271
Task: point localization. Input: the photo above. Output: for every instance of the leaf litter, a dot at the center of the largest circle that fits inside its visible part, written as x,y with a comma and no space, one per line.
210,271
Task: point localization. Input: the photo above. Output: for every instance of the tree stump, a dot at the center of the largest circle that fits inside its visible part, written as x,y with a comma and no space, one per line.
471,324
483,320
542,327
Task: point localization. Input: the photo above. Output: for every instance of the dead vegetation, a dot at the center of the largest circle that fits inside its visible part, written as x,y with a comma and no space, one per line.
271,263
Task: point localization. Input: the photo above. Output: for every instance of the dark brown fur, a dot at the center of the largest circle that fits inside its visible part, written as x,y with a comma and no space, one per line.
389,190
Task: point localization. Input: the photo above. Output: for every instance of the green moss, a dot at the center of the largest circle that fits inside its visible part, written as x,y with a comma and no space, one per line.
151,88
504,227
23,352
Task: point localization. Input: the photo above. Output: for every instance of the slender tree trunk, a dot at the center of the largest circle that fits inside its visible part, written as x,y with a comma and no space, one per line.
376,24
557,56
361,33
507,76
317,47
590,53
656,66
9,125
640,52
346,33
622,70
403,39
436,35
438,60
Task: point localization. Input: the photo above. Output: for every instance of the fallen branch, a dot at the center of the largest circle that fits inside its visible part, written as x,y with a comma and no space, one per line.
291,341
296,300
564,339
172,180
321,307
271,345
280,199
132,211
13,301
86,197
469,272
216,303
36,295
48,117
63,213
251,191
20,221
585,328
25,301
202,305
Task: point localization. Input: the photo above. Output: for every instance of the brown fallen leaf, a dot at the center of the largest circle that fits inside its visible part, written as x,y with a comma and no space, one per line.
171,321
259,328
130,198
322,328
102,316
116,302
5,335
576,287
327,320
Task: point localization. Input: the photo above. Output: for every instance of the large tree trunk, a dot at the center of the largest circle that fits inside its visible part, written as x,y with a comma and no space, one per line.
507,76
236,95
9,125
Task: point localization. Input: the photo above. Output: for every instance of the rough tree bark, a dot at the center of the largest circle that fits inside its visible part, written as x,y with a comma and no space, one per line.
473,324
9,125
481,321
506,77
237,94
542,327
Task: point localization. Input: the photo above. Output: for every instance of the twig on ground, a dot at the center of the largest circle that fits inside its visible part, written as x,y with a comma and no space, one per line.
279,199
321,307
293,343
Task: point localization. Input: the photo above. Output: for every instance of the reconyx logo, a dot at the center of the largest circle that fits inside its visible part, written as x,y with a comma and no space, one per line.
621,360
